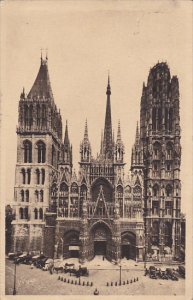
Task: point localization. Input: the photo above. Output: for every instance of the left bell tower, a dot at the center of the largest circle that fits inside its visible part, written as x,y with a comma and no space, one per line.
39,142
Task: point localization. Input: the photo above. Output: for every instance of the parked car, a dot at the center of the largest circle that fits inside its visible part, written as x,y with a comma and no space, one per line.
13,255
181,271
21,258
153,272
36,258
82,272
40,263
28,259
171,274
49,263
162,274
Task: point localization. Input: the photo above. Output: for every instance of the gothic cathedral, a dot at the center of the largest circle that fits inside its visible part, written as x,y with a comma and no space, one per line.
101,211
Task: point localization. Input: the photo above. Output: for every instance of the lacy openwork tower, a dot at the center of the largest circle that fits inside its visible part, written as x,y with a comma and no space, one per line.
101,210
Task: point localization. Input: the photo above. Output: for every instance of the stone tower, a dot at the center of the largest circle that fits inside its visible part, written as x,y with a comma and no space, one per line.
160,135
39,134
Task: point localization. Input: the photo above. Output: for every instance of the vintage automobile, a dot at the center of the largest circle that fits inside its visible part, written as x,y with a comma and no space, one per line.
21,258
36,258
40,263
12,255
49,263
153,273
82,272
162,274
171,274
28,259
181,271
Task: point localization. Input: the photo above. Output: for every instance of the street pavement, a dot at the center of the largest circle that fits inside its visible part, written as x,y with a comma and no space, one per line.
37,282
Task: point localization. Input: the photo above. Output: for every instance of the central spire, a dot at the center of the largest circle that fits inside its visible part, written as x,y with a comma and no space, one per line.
108,143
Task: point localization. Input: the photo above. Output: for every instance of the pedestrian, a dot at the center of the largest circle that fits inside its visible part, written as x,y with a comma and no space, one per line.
96,292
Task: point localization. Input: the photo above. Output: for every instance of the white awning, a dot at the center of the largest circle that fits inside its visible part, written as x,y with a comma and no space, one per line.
74,247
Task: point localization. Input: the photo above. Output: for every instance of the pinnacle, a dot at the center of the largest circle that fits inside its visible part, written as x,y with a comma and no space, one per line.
119,132
137,137
66,138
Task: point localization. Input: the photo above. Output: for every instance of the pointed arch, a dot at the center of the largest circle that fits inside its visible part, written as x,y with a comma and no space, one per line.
35,213
107,188
41,213
23,175
21,215
74,188
37,176
26,213
155,233
27,151
41,196
43,176
38,116
27,195
168,234
28,176
169,190
41,152
156,190
22,195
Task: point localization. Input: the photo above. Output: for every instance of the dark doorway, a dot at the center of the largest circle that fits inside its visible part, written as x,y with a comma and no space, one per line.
74,253
100,248
125,251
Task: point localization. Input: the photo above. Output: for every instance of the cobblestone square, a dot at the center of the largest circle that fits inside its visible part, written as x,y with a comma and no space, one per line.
37,282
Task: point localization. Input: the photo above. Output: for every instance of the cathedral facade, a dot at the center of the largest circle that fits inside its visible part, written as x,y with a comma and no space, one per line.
100,211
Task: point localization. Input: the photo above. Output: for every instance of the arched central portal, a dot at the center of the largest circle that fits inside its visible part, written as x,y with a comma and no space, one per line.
101,235
128,245
71,244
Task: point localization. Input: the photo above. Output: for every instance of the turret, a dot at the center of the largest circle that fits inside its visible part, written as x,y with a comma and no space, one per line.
137,151
85,147
119,147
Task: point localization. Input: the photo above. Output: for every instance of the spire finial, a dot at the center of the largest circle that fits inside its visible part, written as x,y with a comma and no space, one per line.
46,53
108,77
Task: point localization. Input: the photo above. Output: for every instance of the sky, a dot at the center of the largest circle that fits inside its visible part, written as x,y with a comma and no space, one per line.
85,39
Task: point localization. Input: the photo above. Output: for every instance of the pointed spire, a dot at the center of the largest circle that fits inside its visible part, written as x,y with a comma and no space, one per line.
137,137
108,92
86,131
41,59
119,132
108,151
66,138
113,138
42,86
101,150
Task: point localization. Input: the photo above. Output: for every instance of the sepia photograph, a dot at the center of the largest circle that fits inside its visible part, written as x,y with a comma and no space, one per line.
96,148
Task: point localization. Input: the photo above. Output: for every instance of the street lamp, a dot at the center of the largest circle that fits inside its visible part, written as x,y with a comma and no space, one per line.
14,285
120,274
